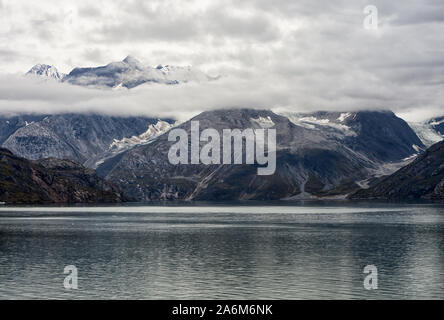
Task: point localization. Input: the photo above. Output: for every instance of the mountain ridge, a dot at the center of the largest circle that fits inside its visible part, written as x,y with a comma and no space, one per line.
128,73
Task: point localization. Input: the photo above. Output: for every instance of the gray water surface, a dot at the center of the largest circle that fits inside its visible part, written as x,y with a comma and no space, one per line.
223,252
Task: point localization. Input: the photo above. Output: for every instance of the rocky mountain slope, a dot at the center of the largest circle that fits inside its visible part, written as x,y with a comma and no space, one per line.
313,159
52,181
422,179
84,138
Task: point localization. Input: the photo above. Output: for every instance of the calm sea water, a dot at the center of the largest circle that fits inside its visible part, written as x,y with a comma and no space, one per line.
300,251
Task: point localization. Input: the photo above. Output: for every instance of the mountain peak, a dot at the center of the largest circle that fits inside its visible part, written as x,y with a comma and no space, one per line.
131,61
45,70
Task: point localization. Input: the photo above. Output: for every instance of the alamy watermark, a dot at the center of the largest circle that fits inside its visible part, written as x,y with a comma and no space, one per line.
371,21
71,281
228,150
371,281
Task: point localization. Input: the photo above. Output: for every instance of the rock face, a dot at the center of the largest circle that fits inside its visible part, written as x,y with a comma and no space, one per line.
313,159
87,139
52,181
422,179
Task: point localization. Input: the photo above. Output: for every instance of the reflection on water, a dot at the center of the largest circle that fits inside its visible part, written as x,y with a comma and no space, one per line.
229,252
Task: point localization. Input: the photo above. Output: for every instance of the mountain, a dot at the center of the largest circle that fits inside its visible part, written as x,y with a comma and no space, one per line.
46,71
431,131
379,135
52,181
84,138
422,179
327,155
130,73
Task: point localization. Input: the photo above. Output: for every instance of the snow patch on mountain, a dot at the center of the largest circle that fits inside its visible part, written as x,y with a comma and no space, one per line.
153,132
119,146
416,148
344,116
312,122
264,123
436,123
426,132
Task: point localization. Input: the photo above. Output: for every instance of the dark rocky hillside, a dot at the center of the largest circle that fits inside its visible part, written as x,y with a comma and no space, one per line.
52,181
422,179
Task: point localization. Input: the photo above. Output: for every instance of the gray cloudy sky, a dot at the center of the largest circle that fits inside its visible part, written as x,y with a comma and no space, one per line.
295,55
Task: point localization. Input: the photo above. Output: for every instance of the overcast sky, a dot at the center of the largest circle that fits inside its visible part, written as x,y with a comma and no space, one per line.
295,55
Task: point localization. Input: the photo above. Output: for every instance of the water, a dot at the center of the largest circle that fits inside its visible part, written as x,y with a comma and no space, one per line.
304,251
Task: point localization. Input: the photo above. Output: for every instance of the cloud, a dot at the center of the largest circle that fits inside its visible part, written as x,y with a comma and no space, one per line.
300,55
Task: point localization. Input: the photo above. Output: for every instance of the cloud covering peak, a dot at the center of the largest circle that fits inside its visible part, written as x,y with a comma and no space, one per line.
304,55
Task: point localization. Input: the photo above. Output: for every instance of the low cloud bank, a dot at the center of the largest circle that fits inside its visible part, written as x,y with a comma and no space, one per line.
19,94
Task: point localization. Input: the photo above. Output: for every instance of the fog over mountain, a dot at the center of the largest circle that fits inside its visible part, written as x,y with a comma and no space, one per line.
299,56
103,84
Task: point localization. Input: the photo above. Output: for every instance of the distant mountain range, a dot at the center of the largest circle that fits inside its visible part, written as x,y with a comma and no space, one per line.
128,73
319,155
52,181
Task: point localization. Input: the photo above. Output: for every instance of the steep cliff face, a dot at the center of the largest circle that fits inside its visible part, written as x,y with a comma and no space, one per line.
52,181
422,179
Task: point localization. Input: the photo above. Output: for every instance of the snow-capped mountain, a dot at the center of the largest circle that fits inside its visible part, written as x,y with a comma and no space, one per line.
131,73
46,71
128,73
380,135
318,155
